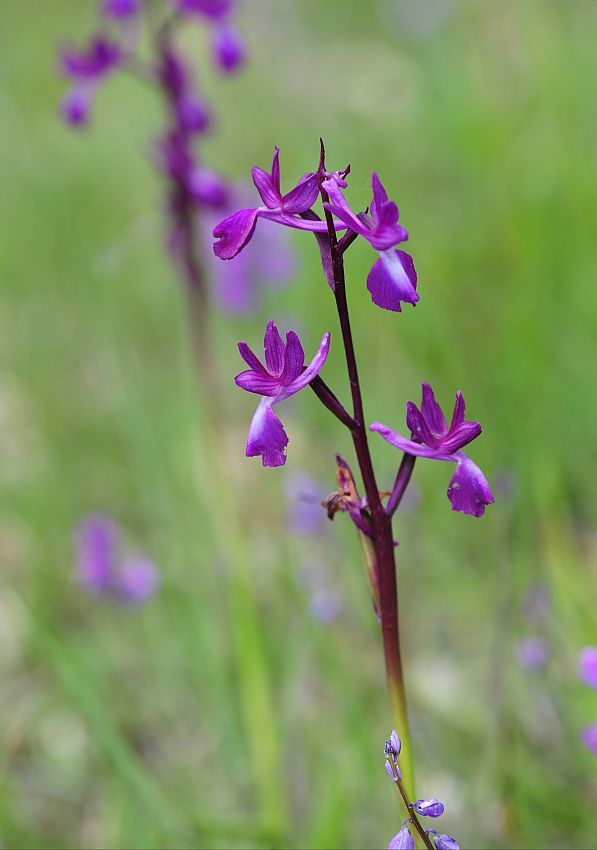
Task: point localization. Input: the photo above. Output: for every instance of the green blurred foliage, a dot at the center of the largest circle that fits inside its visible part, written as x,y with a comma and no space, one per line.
222,714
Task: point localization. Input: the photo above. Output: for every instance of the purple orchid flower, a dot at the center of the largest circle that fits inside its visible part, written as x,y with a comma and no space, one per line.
235,231
285,375
532,653
228,49
214,9
403,840
86,68
587,666
393,278
468,490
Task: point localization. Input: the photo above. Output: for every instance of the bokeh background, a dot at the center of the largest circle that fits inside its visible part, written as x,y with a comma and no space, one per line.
244,705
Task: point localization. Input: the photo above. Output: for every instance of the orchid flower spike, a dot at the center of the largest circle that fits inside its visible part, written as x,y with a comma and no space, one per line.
282,376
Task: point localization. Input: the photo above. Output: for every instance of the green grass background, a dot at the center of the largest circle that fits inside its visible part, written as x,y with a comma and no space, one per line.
222,714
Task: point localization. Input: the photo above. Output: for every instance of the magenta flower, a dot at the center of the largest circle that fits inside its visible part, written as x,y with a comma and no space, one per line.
102,571
235,231
589,737
393,278
403,839
429,808
87,68
191,114
587,666
285,375
228,49
215,9
468,490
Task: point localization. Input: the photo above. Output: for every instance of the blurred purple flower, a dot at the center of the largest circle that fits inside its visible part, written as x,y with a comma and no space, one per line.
532,653
304,494
393,278
429,808
191,114
138,581
215,9
589,737
121,8
228,48
97,540
431,438
587,666
285,375
403,840
86,68
100,568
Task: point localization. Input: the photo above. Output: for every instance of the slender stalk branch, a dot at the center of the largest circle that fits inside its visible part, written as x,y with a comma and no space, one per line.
334,405
405,470
346,241
409,808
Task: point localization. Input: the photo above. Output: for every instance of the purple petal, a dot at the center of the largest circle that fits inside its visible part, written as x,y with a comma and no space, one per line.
303,196
403,840
408,446
468,490
121,8
418,426
459,408
587,666
138,581
253,382
460,436
97,543
252,360
288,220
313,369
432,412
339,207
76,105
443,842
274,350
589,737
234,232
395,743
228,48
215,9
393,279
267,437
429,808
380,196
294,359
268,184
